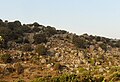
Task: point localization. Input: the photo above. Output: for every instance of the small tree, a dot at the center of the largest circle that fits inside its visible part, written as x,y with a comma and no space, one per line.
36,24
118,43
36,29
40,38
49,31
80,42
103,46
40,49
26,47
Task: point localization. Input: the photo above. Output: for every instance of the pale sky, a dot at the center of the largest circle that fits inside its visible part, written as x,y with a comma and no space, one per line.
96,17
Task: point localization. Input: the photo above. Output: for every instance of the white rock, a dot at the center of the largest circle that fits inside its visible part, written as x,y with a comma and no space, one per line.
76,66
49,65
48,43
100,49
67,65
81,55
97,63
51,69
43,61
3,65
57,55
77,72
72,51
107,68
101,69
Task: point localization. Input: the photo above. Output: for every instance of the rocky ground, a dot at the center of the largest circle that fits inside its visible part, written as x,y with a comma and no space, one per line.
62,58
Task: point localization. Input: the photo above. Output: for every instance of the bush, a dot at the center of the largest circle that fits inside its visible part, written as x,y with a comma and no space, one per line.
36,29
19,68
40,49
115,69
36,24
8,70
57,66
40,38
61,31
5,33
1,41
99,78
118,43
81,69
6,58
62,78
92,61
25,28
98,38
26,47
103,46
39,80
114,77
70,78
19,40
20,80
80,42
86,77
49,31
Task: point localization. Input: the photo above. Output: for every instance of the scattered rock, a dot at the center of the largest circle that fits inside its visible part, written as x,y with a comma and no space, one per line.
101,69
49,65
43,61
57,55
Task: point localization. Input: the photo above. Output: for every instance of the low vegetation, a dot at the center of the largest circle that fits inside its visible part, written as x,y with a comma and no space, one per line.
6,58
40,49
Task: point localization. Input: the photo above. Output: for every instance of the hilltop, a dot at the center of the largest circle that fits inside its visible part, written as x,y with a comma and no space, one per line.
34,52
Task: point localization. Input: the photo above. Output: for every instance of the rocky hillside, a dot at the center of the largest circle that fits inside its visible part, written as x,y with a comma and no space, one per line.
37,53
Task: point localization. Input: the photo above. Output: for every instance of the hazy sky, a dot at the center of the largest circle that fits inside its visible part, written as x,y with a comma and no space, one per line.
96,17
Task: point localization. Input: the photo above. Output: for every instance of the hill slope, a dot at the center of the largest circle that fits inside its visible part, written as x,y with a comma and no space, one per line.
31,51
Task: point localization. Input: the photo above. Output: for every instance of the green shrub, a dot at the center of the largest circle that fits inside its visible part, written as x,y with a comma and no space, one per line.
103,46
26,47
49,31
80,42
40,80
70,78
6,58
92,61
62,78
36,24
86,77
57,66
118,43
114,77
98,78
36,29
115,69
40,38
81,69
40,49
20,80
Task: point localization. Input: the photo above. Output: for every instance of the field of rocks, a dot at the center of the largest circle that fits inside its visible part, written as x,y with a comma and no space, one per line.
37,53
